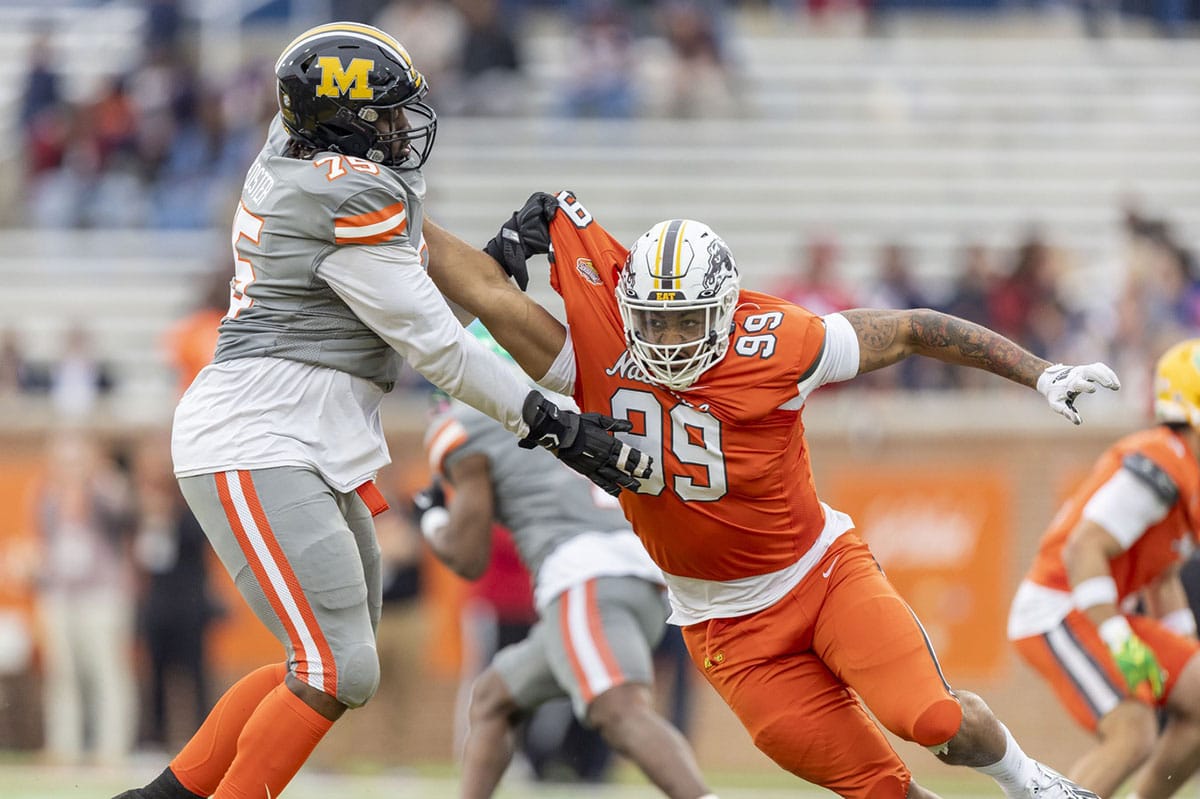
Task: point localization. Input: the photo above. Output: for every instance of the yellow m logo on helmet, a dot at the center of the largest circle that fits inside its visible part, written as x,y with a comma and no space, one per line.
352,80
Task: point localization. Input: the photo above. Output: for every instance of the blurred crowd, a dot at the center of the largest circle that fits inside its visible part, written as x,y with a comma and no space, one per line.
1031,293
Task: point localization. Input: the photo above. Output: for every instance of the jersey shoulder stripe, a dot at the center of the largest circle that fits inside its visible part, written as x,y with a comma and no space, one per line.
1141,466
442,439
371,227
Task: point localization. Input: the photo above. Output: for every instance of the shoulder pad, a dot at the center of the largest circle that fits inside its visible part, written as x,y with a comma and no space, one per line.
1153,475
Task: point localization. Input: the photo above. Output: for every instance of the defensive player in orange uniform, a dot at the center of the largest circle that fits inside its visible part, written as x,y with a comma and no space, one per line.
783,608
1125,531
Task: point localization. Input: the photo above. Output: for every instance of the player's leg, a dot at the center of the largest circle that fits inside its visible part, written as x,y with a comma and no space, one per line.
796,710
284,536
518,680
869,637
602,652
1077,665
1176,756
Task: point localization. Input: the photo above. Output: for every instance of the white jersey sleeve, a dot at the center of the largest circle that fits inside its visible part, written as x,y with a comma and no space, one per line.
838,360
388,289
1126,507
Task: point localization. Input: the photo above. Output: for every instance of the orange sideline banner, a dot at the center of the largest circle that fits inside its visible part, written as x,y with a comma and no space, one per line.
944,539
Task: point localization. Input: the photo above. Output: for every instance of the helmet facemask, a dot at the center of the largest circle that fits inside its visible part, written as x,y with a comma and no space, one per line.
677,294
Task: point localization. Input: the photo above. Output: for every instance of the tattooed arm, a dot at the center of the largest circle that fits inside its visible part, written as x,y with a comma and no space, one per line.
886,337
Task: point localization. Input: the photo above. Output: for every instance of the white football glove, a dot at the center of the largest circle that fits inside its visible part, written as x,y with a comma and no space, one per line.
1061,384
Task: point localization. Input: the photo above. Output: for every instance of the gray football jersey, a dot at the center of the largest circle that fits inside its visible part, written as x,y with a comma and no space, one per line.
293,214
542,502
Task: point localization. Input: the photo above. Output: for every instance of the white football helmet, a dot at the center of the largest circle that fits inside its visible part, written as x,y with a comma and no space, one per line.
677,294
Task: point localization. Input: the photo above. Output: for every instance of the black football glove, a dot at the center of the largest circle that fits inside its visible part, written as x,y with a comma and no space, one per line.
429,507
584,442
526,234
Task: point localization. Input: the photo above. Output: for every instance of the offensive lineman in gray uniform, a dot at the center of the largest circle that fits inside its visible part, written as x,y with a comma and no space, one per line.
277,442
600,598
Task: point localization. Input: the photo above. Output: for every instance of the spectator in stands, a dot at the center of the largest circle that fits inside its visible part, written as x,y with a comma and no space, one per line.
201,169
969,300
699,80
176,608
42,91
436,30
814,282
192,340
85,601
602,79
896,287
1025,304
78,378
18,375
490,63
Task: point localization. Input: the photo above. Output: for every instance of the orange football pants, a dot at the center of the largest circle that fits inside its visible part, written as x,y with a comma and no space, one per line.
798,673
1076,662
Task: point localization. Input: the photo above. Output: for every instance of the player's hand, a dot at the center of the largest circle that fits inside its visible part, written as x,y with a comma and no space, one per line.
1060,385
526,234
584,441
1134,658
429,508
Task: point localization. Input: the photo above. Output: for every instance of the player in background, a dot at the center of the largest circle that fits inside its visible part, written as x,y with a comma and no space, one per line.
277,441
1125,532
783,608
599,597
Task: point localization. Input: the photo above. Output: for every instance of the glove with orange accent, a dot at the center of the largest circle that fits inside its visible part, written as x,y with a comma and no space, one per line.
584,441
1134,658
526,234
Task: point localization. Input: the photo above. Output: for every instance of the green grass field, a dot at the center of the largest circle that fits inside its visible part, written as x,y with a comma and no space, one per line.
27,779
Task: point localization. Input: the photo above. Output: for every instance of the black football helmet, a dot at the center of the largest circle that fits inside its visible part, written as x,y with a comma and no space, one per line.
350,88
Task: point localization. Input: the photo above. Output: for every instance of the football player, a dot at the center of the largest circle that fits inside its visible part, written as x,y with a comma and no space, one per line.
276,442
1124,534
783,608
599,597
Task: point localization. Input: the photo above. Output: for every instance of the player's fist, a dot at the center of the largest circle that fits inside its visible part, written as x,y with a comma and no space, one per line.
526,233
429,508
1136,660
1061,384
584,441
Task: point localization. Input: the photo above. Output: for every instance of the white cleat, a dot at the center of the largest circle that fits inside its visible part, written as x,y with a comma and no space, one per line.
1049,784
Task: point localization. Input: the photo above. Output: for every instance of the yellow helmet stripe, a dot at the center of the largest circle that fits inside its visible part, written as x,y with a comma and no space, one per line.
367,32
669,255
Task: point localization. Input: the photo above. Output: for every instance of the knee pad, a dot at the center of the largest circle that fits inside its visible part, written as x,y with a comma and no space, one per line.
358,675
938,723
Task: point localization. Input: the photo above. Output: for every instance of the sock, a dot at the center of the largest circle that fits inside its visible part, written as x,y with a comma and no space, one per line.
204,759
277,739
1014,770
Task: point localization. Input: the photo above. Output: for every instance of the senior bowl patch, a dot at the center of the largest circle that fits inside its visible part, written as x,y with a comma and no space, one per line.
584,267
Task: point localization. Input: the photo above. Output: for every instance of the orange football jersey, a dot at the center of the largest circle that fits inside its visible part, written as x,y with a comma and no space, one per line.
1162,545
732,494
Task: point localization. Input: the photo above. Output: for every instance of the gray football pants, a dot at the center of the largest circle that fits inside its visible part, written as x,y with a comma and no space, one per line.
306,560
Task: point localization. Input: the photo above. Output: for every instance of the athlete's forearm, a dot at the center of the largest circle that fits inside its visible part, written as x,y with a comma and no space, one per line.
470,278
887,337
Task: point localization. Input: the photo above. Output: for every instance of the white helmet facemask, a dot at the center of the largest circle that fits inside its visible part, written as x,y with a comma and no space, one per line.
677,294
